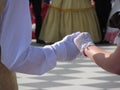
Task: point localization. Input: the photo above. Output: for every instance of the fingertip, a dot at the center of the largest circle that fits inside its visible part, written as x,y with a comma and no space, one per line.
77,32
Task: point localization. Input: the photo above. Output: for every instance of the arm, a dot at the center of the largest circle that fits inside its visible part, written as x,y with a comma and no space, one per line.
106,60
18,54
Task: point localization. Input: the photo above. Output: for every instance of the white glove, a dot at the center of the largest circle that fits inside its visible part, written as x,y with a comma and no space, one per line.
65,49
82,41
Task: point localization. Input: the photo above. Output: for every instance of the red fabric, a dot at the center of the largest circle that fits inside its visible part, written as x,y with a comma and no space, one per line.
33,20
32,14
110,36
45,7
33,35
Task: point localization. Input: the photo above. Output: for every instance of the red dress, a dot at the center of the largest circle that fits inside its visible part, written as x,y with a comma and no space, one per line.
45,7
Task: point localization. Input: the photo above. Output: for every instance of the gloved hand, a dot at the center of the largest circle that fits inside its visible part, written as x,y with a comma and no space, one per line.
65,49
115,20
82,41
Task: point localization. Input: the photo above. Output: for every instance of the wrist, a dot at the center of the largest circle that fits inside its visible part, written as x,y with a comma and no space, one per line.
60,51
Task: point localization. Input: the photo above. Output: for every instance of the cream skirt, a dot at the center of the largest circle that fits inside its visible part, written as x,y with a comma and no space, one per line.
68,16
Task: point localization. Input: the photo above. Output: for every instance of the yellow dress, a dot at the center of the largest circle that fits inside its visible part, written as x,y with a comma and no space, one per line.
68,16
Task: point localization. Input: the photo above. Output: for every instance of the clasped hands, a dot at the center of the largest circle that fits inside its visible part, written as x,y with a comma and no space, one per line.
82,41
71,46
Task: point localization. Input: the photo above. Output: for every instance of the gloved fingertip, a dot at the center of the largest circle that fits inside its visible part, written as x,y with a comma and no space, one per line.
85,33
77,33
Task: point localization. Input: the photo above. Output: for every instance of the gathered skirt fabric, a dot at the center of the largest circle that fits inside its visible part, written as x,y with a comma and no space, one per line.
111,34
68,16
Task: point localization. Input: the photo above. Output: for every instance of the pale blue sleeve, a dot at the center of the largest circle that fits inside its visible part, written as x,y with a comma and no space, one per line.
15,41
